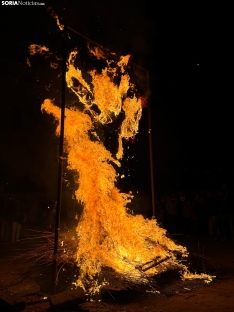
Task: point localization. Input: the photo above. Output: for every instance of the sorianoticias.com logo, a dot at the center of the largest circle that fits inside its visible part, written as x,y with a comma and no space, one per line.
22,3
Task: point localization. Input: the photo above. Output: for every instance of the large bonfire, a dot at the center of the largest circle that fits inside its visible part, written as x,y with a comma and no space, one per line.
108,235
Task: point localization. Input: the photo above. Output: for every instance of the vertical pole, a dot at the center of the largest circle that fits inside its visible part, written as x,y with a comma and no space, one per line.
60,169
151,153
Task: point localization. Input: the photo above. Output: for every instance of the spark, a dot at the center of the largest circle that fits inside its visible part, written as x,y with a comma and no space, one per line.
28,62
54,15
37,49
53,65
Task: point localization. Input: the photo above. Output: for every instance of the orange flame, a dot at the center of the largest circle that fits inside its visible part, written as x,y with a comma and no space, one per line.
108,235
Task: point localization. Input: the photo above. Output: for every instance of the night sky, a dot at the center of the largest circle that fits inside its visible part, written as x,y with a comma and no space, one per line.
187,51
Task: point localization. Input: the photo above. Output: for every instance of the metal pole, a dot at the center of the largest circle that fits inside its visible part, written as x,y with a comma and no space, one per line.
60,170
151,153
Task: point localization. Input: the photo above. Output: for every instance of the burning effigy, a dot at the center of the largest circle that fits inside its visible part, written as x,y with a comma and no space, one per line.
108,234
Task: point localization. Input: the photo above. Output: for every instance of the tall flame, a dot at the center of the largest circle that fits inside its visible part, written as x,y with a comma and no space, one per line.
108,235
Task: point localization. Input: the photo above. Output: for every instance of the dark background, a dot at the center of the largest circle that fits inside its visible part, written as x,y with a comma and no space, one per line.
187,51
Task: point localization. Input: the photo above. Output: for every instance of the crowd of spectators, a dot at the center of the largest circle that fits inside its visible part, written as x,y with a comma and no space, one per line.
203,213
19,213
25,215
207,213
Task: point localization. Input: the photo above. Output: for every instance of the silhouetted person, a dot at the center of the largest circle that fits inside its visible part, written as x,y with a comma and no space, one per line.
49,216
211,212
202,217
180,205
32,217
171,213
194,219
220,216
230,217
160,214
5,219
18,219
187,216
228,211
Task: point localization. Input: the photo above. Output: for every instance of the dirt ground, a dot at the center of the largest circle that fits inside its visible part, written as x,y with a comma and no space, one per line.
172,295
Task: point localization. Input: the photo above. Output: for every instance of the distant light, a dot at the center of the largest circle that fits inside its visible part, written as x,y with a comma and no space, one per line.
198,64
